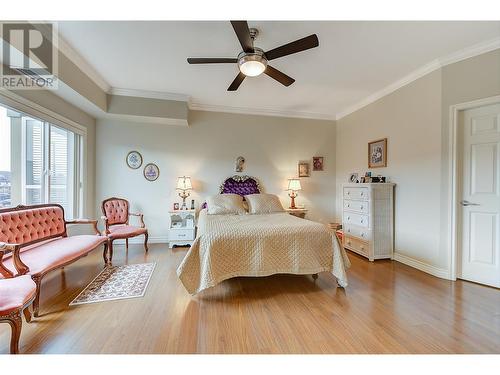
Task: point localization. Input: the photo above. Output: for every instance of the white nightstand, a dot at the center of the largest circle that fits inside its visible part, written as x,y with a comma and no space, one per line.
182,228
299,212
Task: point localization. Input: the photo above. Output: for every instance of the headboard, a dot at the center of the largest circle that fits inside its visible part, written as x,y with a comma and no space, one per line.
241,185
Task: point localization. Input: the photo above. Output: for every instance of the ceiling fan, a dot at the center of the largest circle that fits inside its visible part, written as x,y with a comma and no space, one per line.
253,61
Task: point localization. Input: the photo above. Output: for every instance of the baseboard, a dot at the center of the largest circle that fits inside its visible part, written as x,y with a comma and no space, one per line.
140,240
422,266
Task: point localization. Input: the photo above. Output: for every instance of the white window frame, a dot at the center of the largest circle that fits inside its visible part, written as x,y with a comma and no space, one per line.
29,108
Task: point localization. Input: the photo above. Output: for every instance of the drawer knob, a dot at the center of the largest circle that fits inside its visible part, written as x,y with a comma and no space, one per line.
348,193
348,218
348,205
349,230
362,234
361,207
362,193
362,247
361,221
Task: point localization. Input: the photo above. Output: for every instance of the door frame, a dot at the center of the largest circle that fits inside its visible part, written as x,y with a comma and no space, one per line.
453,150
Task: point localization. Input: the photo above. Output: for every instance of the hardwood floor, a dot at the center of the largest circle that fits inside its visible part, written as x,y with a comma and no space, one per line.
387,308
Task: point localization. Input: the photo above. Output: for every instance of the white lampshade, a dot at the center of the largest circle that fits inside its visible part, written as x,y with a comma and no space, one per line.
294,184
184,183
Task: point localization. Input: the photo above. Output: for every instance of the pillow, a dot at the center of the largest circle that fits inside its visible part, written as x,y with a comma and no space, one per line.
263,203
225,204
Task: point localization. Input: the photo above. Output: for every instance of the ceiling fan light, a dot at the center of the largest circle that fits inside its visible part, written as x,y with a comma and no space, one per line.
252,68
252,65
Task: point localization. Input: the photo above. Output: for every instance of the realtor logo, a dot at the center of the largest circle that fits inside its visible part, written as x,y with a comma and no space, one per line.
29,55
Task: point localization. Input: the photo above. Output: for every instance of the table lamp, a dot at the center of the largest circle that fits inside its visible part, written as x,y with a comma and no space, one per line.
293,188
184,186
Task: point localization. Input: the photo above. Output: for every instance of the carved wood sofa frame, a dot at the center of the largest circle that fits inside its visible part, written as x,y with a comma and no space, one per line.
16,248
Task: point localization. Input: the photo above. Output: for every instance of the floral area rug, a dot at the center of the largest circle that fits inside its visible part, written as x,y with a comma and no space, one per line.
117,282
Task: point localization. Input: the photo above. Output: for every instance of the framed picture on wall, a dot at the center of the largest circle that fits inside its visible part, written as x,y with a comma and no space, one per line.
304,169
134,159
377,153
151,172
317,163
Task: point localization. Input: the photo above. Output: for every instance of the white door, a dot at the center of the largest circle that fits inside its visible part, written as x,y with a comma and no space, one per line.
479,258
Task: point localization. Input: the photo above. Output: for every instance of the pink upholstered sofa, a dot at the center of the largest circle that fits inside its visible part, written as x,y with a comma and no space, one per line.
39,242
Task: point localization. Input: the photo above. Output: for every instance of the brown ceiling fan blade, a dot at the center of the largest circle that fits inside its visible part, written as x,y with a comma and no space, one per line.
237,82
243,34
279,76
210,60
299,45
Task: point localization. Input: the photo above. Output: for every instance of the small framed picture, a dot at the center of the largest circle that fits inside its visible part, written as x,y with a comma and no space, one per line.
134,159
317,163
353,178
151,172
377,153
304,169
176,206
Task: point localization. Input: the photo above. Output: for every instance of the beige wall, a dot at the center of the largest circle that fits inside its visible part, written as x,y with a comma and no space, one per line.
206,150
410,118
415,119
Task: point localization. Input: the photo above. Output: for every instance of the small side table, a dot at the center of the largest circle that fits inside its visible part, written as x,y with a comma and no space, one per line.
299,212
182,230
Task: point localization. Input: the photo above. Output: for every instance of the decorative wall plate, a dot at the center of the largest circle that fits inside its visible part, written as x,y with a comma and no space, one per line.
134,159
151,172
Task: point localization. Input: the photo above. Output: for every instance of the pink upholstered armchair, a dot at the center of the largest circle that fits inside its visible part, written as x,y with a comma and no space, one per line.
116,220
17,293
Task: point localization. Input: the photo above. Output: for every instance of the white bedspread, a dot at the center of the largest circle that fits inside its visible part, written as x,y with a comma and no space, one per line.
227,246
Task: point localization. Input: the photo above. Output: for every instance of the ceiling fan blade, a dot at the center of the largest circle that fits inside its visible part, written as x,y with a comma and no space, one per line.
243,34
210,60
299,45
279,76
237,82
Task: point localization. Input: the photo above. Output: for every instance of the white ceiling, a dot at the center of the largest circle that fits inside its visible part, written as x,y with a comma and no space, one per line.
353,61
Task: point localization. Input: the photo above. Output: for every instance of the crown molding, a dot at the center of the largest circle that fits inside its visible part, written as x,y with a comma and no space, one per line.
149,94
82,64
146,119
466,53
413,76
260,111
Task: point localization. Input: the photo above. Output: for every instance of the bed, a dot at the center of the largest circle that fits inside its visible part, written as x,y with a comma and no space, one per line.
228,246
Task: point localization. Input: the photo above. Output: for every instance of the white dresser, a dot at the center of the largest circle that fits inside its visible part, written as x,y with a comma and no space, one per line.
368,219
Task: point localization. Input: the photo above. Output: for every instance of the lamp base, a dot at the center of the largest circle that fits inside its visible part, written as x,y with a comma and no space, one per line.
292,203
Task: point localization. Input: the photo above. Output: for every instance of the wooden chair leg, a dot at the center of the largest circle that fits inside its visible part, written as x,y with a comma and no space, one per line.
36,302
27,314
126,244
15,322
105,253
110,252
146,235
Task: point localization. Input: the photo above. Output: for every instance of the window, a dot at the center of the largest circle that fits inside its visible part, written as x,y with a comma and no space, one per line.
39,163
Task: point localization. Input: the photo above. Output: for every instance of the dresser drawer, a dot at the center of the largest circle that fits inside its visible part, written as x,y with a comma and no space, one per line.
359,232
181,234
356,219
356,193
356,245
356,206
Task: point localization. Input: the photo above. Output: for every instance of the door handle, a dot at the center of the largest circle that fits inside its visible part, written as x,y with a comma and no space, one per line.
467,203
